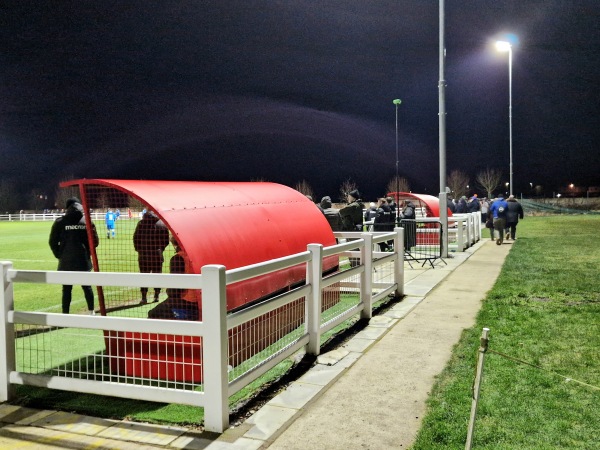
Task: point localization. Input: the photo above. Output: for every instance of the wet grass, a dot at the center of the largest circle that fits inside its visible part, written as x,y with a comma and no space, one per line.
543,310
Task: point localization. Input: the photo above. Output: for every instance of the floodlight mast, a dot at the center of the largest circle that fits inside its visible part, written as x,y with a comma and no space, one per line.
504,46
397,102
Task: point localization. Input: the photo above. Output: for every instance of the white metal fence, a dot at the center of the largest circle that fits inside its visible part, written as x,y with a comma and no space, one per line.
190,362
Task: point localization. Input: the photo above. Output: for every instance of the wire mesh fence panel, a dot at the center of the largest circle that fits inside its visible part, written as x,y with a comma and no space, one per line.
422,240
260,339
339,298
147,359
383,277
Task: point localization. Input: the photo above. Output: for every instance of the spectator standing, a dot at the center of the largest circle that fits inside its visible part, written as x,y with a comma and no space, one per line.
70,245
352,217
514,212
498,211
461,206
150,239
371,212
485,207
352,213
451,205
383,222
331,214
110,219
409,222
393,207
473,205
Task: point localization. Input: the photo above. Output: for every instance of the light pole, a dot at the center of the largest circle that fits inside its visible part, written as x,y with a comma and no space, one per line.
505,46
443,196
397,102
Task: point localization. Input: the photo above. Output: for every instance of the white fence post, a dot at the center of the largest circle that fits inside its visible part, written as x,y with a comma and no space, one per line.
366,277
460,234
314,276
399,262
214,348
7,334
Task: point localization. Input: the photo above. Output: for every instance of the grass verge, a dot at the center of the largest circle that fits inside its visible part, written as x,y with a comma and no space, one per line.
544,310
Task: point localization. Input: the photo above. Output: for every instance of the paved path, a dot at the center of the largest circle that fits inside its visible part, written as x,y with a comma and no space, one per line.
368,394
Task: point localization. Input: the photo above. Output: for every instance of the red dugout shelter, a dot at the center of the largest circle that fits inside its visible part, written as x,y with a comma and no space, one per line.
230,223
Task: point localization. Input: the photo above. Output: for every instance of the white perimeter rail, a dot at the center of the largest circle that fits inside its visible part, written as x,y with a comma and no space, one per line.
464,230
214,327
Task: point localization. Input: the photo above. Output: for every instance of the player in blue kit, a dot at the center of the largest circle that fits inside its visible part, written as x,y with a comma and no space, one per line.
110,219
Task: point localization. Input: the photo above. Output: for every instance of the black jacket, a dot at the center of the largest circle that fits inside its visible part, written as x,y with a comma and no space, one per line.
514,212
384,221
69,240
409,211
352,216
150,238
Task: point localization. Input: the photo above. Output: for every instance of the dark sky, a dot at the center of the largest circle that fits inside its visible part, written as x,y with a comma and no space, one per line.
291,90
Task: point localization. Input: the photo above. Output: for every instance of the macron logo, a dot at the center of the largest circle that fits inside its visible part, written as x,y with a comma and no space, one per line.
74,227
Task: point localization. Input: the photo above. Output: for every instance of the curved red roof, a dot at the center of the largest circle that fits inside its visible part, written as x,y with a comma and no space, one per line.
231,223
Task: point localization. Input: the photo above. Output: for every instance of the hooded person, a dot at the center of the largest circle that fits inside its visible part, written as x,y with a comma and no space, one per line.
70,245
150,239
331,214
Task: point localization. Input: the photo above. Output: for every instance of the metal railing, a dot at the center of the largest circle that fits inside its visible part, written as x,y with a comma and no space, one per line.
190,362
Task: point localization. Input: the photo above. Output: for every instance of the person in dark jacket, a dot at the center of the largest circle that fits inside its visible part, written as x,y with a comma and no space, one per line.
473,205
176,307
514,212
409,224
451,205
331,214
150,239
383,222
352,217
352,213
70,245
461,206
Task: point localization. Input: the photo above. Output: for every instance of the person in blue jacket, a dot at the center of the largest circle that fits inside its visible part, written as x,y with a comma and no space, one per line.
498,211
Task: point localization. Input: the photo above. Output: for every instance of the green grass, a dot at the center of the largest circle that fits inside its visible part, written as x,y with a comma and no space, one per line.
543,309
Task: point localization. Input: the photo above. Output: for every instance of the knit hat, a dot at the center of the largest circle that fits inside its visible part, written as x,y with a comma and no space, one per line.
72,200
326,202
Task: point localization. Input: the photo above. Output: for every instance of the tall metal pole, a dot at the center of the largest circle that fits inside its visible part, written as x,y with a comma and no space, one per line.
397,102
510,117
442,139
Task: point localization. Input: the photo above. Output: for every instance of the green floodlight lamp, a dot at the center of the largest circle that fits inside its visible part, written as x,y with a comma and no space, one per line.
396,101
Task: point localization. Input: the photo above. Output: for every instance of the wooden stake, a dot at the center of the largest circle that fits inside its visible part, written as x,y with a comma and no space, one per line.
476,385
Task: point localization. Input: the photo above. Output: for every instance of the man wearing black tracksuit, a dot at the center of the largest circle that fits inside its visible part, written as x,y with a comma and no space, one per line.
69,243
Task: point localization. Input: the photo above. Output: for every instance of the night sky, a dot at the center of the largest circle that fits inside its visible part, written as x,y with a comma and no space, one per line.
289,90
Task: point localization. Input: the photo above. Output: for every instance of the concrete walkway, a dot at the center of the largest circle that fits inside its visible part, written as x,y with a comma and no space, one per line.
368,394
